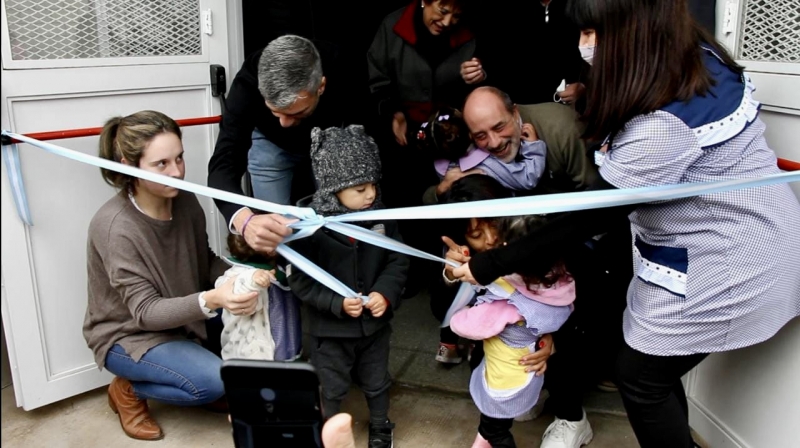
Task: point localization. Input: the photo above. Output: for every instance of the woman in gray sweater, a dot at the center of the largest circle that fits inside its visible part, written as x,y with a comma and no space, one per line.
150,272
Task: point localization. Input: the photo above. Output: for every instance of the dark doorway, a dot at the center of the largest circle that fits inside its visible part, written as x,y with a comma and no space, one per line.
351,24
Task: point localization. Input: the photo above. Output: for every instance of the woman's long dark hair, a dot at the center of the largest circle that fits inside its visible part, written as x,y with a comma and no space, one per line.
648,55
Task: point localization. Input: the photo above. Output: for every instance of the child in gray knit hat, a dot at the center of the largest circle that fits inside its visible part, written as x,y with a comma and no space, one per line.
346,333
347,168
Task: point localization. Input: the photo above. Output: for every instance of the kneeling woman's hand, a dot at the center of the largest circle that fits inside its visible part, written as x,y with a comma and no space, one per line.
537,361
237,304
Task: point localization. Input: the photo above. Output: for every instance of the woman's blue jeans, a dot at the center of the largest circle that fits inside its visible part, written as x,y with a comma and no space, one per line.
182,373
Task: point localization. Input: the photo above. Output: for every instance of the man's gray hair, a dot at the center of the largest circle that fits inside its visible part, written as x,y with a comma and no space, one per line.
288,66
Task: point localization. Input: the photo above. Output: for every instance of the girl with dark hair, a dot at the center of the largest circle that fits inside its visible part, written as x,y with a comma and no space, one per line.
478,234
510,318
713,272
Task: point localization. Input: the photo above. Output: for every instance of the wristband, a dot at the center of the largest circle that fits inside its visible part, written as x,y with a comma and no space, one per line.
444,275
244,226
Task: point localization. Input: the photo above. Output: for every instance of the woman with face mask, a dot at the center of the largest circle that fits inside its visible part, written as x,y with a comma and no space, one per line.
713,272
587,45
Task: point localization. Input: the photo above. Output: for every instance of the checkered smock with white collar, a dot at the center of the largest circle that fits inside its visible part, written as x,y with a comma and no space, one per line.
714,272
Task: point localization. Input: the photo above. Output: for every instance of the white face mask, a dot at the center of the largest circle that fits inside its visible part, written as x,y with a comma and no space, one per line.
587,53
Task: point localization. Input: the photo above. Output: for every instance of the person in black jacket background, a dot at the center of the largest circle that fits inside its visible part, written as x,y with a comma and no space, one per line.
275,100
528,47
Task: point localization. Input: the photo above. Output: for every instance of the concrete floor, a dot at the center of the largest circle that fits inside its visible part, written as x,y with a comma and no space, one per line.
430,405
423,419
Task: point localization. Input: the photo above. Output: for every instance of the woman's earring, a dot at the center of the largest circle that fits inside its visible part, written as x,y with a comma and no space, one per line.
422,4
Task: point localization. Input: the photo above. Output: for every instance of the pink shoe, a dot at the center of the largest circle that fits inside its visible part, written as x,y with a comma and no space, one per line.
480,442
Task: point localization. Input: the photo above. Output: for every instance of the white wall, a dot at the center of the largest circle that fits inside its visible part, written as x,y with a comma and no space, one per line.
751,397
783,136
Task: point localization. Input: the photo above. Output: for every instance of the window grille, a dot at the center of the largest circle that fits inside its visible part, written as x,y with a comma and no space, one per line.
770,31
87,29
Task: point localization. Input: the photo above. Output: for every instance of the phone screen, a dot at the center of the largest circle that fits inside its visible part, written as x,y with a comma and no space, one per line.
273,404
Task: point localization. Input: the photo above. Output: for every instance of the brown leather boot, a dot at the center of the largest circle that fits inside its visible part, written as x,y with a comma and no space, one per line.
134,415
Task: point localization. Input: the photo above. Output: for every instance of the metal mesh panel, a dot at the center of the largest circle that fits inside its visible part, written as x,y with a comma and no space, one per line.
770,31
86,29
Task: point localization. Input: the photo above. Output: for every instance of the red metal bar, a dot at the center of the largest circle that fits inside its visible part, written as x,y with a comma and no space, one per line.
788,165
784,164
88,132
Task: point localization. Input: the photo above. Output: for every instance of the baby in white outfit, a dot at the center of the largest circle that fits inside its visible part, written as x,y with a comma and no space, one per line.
243,336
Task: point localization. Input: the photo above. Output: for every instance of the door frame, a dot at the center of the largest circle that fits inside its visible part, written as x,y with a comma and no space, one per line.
33,382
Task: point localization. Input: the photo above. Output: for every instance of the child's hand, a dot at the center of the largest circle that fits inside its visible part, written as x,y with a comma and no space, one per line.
263,278
459,254
352,306
377,304
452,175
529,133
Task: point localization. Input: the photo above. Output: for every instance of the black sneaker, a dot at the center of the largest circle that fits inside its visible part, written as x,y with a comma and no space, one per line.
380,436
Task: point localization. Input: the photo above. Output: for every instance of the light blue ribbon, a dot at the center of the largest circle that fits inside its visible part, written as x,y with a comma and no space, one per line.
286,210
566,202
309,222
377,239
300,262
464,295
14,170
308,215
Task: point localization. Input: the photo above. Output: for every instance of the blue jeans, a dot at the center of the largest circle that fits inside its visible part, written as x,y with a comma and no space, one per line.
271,170
182,373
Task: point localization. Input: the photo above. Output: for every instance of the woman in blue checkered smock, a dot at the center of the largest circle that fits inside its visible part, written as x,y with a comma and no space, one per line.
714,272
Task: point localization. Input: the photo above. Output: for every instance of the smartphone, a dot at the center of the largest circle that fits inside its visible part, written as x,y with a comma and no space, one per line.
273,404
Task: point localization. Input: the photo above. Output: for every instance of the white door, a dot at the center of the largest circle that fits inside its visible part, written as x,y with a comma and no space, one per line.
74,64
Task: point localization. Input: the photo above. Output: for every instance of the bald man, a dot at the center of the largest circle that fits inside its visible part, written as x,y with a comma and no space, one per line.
497,125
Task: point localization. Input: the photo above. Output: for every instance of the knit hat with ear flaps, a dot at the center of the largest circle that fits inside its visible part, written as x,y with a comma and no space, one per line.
342,158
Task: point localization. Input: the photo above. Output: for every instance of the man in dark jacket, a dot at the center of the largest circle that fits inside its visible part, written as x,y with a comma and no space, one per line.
277,97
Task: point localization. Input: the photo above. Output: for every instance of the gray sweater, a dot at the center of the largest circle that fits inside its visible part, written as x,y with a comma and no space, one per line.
145,276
